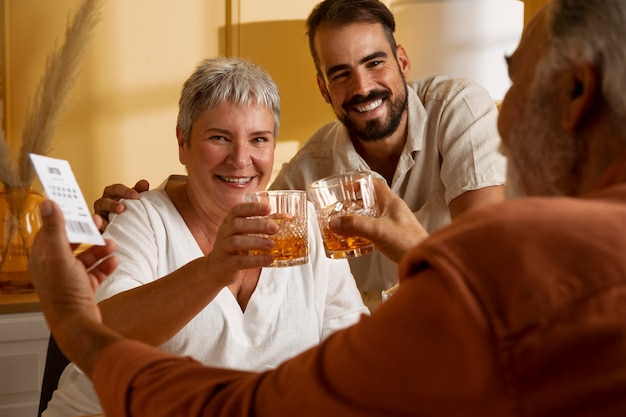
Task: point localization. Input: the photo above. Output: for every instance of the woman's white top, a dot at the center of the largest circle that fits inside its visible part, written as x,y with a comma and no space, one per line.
291,309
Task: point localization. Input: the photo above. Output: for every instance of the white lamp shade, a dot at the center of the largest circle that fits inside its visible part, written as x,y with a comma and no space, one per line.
460,38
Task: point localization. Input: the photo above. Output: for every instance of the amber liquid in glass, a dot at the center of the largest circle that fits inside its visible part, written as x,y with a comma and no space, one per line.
338,246
290,243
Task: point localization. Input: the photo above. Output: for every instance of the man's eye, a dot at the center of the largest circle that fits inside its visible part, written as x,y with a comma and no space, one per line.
340,76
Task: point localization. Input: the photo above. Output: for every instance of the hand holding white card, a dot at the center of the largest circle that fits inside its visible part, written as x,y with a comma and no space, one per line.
60,185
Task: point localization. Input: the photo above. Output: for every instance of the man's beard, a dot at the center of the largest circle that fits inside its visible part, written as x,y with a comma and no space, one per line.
542,159
375,129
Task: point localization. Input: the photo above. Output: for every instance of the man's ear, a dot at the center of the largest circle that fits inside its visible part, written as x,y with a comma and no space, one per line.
582,84
182,149
323,90
403,61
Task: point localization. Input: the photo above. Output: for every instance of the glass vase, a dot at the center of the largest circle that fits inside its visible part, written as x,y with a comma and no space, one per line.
19,222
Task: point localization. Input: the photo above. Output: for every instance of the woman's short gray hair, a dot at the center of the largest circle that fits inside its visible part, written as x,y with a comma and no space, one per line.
218,80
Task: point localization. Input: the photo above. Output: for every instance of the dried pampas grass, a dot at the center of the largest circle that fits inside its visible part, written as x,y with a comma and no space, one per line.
42,117
50,97
8,171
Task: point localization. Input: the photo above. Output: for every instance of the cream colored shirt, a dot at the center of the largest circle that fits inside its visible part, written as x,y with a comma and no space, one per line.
452,147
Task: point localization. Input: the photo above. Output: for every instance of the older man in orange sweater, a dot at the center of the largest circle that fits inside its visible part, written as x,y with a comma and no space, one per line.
514,309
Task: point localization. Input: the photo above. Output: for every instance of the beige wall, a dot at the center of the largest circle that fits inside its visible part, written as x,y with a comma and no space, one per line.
531,7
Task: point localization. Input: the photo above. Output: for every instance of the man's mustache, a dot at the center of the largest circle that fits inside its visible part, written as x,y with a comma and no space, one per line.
372,96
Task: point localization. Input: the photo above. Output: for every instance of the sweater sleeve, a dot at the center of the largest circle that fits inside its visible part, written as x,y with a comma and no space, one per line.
426,350
133,379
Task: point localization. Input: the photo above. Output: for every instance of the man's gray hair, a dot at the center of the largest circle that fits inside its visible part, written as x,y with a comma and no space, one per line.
593,31
218,80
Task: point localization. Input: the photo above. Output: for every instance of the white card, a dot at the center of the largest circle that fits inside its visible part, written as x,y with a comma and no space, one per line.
60,186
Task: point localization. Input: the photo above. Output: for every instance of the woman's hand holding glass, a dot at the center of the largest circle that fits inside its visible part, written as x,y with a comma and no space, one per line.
236,237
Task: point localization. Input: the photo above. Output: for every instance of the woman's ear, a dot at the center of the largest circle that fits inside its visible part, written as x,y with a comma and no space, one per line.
582,84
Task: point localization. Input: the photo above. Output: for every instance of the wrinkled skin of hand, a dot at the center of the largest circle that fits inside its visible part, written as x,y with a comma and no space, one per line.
65,287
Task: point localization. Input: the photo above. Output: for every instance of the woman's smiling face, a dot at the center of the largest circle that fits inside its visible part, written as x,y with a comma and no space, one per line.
230,152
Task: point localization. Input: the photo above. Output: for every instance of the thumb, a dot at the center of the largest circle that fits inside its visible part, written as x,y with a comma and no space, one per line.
53,228
49,243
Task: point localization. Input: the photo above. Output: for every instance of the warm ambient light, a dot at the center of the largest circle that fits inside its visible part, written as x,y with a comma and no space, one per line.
464,38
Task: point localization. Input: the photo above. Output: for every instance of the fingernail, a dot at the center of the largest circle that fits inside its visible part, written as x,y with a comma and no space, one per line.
45,208
335,223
